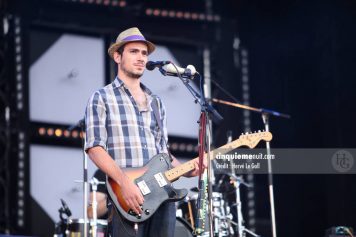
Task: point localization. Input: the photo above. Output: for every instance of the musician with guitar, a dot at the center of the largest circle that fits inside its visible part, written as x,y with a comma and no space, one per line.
126,128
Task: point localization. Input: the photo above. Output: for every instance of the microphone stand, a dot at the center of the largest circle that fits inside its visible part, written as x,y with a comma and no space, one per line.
265,113
208,113
81,125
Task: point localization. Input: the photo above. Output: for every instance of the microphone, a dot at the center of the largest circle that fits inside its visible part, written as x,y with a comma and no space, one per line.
168,69
150,65
171,70
66,208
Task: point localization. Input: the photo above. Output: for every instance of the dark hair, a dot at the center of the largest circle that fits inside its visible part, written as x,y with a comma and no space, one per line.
121,49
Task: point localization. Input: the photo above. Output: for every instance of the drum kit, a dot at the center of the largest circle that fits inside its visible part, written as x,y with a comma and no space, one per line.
68,227
187,213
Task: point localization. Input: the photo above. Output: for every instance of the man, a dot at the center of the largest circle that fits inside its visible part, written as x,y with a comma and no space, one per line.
122,131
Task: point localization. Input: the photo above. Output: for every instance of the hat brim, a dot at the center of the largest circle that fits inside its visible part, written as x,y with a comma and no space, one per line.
114,47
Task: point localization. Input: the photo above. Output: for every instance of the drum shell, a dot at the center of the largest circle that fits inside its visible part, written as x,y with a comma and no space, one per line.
182,228
75,228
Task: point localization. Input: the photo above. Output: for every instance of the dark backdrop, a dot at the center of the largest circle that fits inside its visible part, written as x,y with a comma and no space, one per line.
302,62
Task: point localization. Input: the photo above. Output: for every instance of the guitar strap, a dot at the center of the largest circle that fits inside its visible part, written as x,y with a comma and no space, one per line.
157,114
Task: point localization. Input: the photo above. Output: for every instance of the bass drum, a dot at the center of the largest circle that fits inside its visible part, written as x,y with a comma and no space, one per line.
183,229
75,228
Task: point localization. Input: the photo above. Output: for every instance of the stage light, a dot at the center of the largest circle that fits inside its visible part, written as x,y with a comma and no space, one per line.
81,134
122,4
195,16
20,193
172,14
21,178
21,174
19,96
164,13
149,11
66,133
20,212
42,131
50,131
179,14
174,146
182,147
196,149
114,3
190,147
156,12
20,222
18,60
75,134
187,15
58,132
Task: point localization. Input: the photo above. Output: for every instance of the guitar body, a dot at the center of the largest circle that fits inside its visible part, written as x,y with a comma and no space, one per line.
153,184
155,179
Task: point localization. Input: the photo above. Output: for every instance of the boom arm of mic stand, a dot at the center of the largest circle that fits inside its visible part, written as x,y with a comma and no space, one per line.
216,117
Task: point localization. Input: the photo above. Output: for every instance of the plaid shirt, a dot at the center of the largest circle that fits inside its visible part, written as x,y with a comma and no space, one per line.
114,122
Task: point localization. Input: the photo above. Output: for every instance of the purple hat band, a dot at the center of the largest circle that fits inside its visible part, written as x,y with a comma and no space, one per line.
134,37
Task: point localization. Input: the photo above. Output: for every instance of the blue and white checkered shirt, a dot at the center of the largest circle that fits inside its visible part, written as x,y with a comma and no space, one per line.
115,122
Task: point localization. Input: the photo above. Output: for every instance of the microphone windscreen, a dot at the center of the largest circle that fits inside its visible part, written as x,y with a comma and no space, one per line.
150,65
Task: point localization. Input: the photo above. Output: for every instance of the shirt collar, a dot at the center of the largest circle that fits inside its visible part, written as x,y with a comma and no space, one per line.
118,83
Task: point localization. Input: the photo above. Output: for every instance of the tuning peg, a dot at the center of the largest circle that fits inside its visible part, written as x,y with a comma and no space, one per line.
259,130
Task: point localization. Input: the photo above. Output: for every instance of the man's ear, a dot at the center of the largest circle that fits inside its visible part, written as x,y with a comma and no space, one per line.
117,57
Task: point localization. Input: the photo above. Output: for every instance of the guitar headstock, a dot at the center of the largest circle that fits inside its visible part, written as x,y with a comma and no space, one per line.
252,139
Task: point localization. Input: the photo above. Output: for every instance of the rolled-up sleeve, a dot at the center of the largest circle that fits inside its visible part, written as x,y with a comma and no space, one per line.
95,121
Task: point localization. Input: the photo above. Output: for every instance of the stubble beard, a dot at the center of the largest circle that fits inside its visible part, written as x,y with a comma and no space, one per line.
130,73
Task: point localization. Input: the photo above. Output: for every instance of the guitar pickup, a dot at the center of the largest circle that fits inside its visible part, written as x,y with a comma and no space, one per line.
143,187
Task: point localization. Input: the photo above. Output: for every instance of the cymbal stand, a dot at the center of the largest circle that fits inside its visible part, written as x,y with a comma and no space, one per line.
265,117
94,186
237,181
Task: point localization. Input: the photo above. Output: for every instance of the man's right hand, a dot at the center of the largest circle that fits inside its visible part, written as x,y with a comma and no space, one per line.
132,195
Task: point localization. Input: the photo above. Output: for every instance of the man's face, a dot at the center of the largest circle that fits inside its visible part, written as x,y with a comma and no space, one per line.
133,60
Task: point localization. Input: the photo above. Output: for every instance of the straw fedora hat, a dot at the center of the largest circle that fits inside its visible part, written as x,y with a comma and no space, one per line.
130,35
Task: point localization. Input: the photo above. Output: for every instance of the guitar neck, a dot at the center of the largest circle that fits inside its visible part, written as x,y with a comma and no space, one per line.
175,173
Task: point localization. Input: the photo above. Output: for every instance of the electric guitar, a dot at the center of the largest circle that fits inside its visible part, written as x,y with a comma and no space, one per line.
155,179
